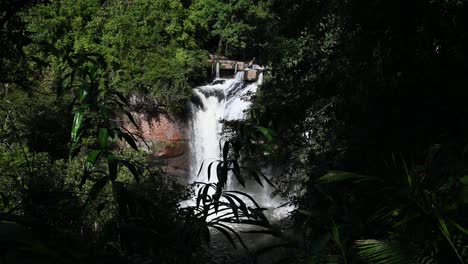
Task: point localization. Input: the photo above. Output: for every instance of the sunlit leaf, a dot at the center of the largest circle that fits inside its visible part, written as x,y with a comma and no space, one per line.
267,133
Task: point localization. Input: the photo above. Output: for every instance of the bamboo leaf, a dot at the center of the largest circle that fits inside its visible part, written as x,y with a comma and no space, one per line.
102,138
209,170
235,233
130,117
77,125
226,235
129,139
97,187
132,169
256,177
225,151
201,167
112,164
267,133
233,207
221,172
246,195
237,174
121,97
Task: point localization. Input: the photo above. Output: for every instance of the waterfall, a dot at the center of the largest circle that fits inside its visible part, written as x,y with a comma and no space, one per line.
224,99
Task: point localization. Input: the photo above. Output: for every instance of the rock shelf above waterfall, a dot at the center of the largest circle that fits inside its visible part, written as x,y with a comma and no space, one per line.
226,68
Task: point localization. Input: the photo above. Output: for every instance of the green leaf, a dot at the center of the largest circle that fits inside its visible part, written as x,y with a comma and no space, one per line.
242,206
103,136
104,111
221,172
226,235
225,151
381,252
233,206
76,127
130,117
267,133
209,170
339,176
112,164
444,229
132,169
256,177
246,195
5,199
235,233
97,188
121,97
237,174
464,180
267,180
89,165
129,139
84,94
201,167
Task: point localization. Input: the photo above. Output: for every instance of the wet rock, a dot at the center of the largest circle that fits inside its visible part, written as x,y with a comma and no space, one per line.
241,66
227,65
218,82
251,75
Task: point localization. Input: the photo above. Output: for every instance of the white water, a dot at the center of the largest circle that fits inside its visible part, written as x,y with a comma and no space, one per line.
226,99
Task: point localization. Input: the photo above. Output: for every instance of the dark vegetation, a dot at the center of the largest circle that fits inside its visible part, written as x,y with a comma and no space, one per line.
364,109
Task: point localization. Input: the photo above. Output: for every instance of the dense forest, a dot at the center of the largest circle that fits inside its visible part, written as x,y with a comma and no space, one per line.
363,112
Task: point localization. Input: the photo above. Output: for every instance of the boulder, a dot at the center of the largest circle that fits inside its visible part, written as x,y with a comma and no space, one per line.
241,66
251,75
227,65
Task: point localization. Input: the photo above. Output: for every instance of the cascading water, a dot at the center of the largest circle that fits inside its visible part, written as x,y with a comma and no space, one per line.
224,99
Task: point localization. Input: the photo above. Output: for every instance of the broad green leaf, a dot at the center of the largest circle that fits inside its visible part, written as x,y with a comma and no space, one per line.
267,133
102,139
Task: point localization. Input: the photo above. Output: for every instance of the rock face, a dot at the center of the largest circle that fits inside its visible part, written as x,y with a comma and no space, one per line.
227,68
166,138
251,75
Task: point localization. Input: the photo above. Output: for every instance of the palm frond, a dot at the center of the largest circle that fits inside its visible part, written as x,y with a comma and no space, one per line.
382,252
